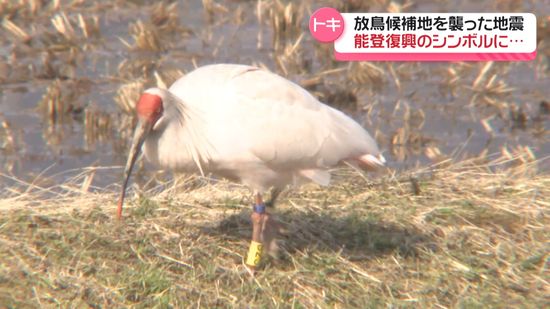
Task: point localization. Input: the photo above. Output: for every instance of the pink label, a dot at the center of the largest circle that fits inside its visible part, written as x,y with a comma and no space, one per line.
326,25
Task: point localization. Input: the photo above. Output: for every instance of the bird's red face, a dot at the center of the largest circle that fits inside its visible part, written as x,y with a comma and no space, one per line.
149,107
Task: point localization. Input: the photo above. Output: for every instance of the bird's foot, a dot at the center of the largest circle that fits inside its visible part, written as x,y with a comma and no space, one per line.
270,230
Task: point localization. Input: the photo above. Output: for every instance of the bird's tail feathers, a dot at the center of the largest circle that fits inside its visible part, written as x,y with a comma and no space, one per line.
372,162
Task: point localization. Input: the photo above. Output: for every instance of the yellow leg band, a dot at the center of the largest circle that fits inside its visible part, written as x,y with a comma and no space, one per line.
254,253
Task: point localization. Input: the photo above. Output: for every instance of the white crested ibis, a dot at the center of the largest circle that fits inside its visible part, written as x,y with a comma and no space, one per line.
250,126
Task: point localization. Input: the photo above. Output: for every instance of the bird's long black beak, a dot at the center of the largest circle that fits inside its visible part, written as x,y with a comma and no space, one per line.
141,131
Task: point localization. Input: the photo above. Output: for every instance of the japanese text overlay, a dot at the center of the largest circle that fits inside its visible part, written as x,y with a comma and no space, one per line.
428,36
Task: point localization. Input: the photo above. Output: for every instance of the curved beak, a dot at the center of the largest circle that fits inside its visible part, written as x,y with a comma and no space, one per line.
141,131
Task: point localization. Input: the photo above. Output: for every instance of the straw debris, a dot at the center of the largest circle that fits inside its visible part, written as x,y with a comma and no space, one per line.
128,94
16,31
286,22
146,37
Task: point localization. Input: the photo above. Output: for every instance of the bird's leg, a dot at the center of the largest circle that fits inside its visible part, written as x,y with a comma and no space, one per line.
271,227
275,192
264,230
258,218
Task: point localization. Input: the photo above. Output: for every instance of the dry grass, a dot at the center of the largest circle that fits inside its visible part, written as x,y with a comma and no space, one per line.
366,73
146,37
16,31
286,22
165,16
471,236
212,8
98,127
27,8
52,103
7,137
128,94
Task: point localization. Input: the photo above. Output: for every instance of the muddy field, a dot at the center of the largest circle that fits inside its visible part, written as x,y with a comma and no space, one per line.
70,72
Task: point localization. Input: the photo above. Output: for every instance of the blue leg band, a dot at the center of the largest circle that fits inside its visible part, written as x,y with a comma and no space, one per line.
260,208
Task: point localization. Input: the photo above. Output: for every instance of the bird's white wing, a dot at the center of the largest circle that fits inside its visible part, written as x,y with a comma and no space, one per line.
254,114
288,127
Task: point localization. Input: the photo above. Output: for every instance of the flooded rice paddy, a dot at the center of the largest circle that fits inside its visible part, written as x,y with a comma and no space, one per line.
70,72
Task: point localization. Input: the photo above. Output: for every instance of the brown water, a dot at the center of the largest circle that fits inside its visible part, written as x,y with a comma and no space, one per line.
413,109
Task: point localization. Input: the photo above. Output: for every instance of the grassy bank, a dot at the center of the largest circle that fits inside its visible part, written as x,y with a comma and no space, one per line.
456,235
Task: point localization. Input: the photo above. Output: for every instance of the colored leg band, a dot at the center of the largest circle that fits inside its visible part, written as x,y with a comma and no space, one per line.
254,253
260,208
